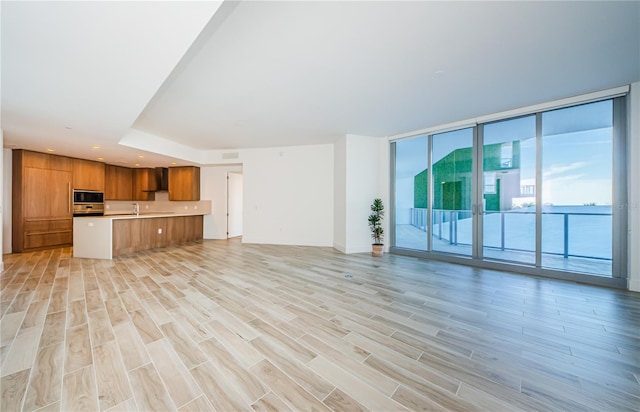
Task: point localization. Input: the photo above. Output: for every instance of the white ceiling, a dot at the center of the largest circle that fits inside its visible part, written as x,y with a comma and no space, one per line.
265,74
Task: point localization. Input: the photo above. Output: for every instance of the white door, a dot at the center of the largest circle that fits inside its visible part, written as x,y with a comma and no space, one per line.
234,204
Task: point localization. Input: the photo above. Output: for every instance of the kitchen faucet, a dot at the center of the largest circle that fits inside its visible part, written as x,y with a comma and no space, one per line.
136,208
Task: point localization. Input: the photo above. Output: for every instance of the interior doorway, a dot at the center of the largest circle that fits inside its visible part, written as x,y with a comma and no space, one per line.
234,204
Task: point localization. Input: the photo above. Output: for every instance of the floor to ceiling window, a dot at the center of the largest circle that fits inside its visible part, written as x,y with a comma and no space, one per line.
534,191
577,188
509,190
411,193
451,170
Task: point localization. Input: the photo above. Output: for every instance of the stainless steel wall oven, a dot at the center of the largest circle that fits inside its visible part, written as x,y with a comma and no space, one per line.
88,203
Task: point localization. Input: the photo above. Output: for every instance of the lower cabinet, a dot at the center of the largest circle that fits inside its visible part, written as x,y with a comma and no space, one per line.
45,233
183,229
133,235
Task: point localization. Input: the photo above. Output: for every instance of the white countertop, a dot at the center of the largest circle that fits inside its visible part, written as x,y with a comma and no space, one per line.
142,215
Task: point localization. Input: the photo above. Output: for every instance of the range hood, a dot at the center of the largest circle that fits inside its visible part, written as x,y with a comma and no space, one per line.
159,181
162,179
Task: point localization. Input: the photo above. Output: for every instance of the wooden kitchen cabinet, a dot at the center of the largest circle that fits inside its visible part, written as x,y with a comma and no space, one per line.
181,229
39,234
118,183
184,183
41,201
126,236
43,160
144,183
88,175
135,234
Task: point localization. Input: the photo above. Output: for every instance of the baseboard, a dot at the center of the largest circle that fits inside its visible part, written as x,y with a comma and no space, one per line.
340,247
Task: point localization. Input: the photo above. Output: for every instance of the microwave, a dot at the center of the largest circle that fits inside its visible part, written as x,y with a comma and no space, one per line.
87,196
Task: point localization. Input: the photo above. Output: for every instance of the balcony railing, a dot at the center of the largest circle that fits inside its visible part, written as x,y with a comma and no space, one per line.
454,227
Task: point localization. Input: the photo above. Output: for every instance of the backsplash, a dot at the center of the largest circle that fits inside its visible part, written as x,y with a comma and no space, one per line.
162,204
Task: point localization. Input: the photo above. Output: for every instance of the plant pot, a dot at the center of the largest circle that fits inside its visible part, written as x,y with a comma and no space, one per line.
377,249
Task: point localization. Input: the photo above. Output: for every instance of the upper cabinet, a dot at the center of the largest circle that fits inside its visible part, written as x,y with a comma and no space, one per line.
184,183
43,160
144,183
88,175
118,183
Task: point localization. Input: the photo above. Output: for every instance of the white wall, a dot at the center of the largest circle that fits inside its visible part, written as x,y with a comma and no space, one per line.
366,177
340,194
303,195
213,186
288,195
634,187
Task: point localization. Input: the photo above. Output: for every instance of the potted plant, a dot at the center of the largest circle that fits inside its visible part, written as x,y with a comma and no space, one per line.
375,224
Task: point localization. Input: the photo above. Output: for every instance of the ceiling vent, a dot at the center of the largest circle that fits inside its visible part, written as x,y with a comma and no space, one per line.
230,155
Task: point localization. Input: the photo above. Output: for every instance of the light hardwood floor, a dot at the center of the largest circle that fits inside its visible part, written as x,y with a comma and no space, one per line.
219,325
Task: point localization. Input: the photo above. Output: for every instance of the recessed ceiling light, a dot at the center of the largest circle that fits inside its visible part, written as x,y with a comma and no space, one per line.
101,158
50,150
137,164
140,157
173,163
95,146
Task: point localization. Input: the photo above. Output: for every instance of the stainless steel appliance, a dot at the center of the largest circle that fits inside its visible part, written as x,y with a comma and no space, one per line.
88,203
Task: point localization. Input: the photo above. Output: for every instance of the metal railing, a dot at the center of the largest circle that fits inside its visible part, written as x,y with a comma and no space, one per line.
446,225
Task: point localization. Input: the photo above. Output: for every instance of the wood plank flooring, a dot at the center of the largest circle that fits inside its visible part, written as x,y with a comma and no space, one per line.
218,325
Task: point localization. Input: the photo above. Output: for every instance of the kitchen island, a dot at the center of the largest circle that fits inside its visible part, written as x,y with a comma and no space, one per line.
104,237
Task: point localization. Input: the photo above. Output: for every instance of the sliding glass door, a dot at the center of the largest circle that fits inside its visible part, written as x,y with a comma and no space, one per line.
452,177
577,188
411,193
535,191
509,190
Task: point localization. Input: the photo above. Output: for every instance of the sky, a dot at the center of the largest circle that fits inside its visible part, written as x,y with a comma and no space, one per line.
577,168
